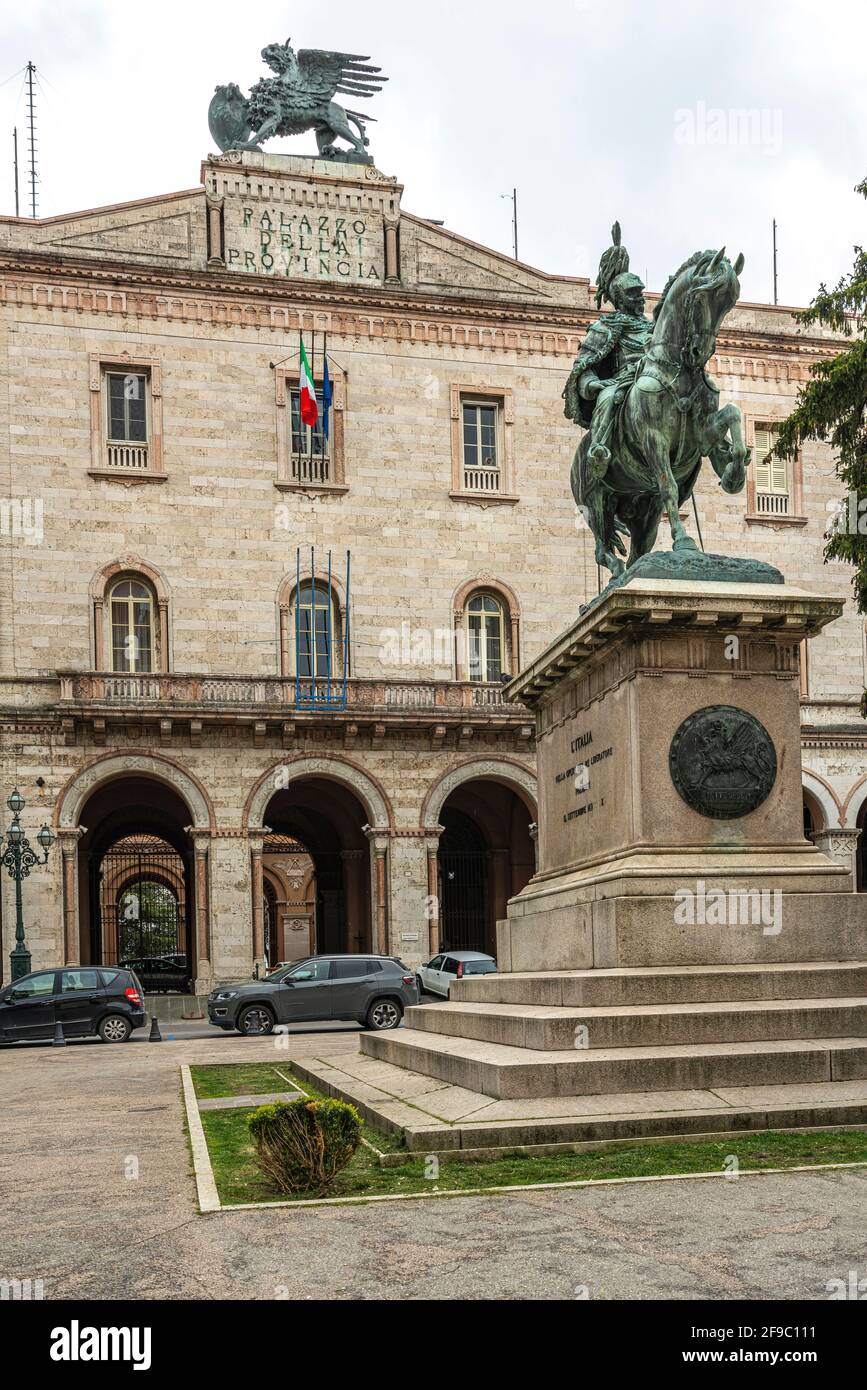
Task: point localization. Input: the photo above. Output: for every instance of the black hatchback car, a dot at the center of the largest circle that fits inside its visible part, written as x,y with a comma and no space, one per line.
87,999
371,990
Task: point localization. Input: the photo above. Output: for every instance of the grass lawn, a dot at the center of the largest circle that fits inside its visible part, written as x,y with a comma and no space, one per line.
238,1179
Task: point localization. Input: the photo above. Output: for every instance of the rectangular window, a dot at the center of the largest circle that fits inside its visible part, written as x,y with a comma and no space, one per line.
131,635
315,650
481,464
311,461
771,475
127,408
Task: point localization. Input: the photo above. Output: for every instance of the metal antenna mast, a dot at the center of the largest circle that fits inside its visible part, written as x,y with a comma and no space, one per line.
15,161
31,118
776,301
513,198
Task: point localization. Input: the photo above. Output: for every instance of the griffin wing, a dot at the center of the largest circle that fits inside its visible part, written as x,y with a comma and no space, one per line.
324,74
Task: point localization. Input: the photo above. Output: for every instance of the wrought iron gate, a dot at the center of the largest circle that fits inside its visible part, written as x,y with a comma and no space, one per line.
142,901
463,876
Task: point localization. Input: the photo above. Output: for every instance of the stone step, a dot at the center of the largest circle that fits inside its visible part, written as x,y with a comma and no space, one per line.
435,1117
688,984
515,1072
550,1029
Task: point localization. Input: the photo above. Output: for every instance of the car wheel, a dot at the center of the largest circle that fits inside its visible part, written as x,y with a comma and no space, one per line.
114,1029
383,1014
257,1021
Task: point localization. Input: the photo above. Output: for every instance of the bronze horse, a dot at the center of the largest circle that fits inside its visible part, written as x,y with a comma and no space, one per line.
668,422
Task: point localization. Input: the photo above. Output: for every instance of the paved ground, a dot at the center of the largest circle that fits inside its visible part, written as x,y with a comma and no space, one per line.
99,1202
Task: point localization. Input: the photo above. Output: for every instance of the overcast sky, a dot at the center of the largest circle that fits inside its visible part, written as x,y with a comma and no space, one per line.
693,123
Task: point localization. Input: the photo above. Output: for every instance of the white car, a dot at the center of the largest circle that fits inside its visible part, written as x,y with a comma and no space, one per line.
436,977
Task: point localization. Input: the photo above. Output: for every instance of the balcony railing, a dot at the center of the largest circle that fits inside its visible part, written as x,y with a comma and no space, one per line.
772,503
482,479
311,469
274,693
127,456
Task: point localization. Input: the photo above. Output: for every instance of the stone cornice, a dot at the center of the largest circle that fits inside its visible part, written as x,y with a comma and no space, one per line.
51,282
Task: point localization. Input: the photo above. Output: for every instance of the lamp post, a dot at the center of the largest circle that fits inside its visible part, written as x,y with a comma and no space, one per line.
19,858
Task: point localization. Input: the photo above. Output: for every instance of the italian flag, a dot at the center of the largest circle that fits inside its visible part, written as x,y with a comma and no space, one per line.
309,408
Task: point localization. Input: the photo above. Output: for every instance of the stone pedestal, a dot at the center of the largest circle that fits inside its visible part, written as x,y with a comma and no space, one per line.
670,802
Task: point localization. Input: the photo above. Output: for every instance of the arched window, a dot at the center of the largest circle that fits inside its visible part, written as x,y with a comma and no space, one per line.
486,638
315,632
131,618
131,610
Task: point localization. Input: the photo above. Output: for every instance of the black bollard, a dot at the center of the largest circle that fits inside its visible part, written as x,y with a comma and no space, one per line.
155,1035
59,1040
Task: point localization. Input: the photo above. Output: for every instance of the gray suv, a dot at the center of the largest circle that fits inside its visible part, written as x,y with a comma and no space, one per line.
371,990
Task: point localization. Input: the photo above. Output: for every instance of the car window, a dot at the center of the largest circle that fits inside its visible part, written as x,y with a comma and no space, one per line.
108,976
310,970
74,981
436,963
34,985
350,969
480,967
372,966
450,966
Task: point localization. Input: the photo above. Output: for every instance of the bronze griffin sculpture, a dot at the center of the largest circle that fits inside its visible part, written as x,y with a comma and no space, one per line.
299,98
652,412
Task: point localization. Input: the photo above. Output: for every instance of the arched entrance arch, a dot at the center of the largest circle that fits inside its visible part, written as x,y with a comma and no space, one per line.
483,813
342,818
508,771
140,819
341,770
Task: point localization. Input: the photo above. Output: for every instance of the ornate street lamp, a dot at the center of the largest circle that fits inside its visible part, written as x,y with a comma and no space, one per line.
19,858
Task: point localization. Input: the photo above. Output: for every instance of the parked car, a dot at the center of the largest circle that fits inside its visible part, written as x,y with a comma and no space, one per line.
371,990
161,974
107,1001
436,977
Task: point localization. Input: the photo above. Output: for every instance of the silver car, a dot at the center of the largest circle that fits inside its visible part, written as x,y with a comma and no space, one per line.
436,977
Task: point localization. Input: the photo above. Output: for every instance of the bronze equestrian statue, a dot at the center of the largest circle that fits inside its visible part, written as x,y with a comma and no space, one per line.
652,412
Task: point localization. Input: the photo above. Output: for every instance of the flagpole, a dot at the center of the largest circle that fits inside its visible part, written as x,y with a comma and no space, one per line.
322,430
313,375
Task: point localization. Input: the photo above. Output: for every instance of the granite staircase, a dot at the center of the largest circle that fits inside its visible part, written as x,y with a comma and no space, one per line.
631,1052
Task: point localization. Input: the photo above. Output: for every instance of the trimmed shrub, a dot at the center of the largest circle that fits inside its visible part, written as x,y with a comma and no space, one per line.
302,1145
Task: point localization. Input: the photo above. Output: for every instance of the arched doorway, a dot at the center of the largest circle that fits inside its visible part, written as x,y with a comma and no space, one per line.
486,856
136,880
289,908
317,842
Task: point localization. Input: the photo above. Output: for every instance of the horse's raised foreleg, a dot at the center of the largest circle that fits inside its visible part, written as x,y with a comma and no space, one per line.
729,460
655,450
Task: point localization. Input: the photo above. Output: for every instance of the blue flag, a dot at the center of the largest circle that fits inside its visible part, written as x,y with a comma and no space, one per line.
326,400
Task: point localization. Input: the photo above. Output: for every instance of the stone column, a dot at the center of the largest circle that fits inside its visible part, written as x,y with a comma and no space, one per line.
215,231
432,844
257,887
841,846
71,935
352,860
392,259
201,839
379,839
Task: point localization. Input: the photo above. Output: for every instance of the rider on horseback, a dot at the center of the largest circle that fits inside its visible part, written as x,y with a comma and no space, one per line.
609,357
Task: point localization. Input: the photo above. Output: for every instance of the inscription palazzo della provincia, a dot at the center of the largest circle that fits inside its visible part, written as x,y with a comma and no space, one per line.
315,245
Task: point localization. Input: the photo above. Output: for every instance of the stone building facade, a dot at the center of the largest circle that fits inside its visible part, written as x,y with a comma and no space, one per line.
175,566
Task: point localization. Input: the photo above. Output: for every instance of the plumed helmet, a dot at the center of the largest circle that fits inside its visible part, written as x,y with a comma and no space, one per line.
621,285
614,263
